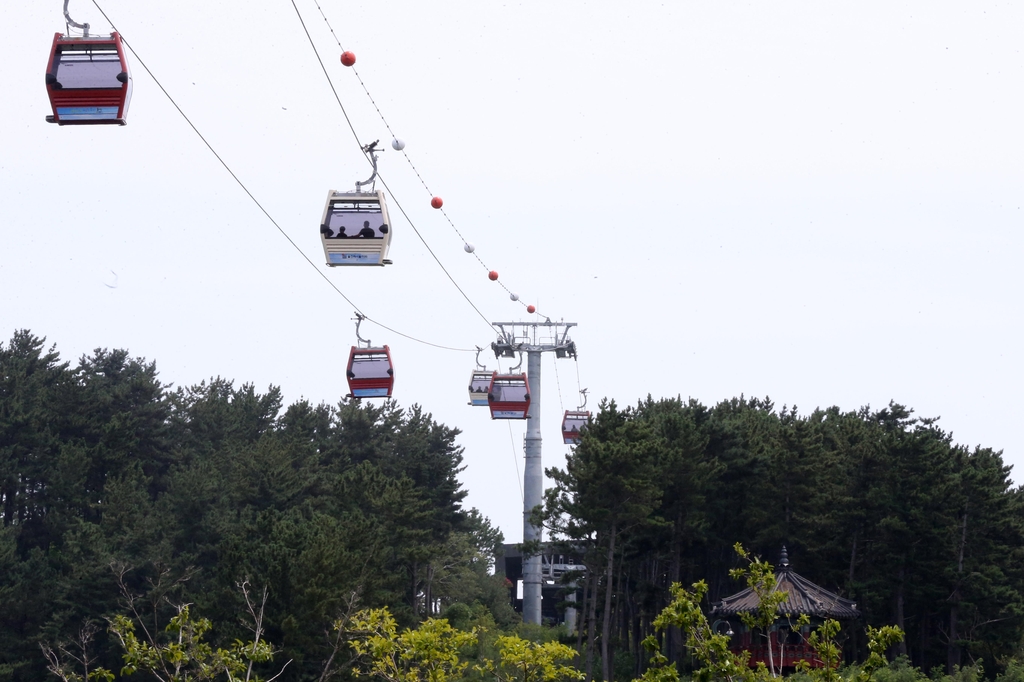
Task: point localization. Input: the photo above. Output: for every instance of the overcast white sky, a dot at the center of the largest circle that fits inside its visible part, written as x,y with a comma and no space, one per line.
816,202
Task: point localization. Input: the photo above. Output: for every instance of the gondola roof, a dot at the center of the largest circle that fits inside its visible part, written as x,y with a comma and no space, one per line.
803,597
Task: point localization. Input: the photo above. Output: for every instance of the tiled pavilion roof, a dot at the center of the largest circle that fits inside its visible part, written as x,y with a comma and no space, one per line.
803,597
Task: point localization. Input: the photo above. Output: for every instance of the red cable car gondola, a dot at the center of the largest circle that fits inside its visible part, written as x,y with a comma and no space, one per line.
574,422
88,80
370,373
508,396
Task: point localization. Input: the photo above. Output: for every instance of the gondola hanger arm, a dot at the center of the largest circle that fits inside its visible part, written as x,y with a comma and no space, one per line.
371,152
72,22
359,320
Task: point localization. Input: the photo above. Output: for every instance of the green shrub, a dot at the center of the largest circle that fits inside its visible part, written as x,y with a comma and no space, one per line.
1014,672
899,670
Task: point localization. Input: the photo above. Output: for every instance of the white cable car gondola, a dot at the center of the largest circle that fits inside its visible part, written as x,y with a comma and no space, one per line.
479,383
87,78
508,396
355,228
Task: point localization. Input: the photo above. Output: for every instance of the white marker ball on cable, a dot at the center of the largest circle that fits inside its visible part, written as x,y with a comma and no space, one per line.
514,297
469,248
398,144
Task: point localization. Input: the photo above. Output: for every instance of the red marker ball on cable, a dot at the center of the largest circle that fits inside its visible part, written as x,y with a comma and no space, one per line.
493,275
531,309
436,202
348,58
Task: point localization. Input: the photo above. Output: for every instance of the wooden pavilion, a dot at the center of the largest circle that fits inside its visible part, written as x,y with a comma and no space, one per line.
788,638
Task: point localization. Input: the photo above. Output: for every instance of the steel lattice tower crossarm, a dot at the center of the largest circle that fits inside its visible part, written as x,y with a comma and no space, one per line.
533,338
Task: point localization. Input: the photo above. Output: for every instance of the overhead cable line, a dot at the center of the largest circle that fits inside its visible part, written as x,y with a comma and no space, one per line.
519,478
379,176
512,295
259,205
558,385
579,386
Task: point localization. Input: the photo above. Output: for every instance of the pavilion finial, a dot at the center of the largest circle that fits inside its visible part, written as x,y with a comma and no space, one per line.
784,558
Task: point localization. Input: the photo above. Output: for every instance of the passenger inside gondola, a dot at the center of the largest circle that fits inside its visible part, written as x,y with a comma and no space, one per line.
479,384
335,228
339,216
575,422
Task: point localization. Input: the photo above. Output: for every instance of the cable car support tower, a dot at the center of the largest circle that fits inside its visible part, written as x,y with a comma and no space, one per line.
533,338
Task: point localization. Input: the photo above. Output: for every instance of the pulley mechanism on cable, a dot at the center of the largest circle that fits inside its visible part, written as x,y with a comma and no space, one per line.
87,78
370,371
355,228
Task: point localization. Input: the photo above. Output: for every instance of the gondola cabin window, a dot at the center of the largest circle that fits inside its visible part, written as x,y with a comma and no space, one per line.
355,220
88,69
572,424
370,367
370,373
505,393
509,396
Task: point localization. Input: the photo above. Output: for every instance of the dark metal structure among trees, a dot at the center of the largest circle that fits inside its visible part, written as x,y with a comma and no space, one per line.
558,582
521,337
